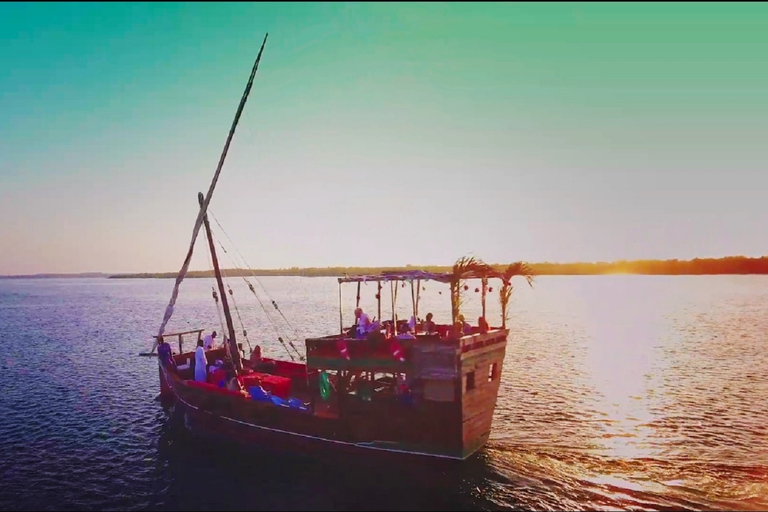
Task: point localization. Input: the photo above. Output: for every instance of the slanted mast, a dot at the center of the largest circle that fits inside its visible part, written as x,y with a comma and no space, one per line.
207,198
430,391
232,349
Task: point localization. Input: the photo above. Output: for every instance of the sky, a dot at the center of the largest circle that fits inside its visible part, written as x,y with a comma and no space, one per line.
381,134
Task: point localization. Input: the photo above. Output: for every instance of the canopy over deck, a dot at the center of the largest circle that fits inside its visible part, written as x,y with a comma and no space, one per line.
464,268
412,275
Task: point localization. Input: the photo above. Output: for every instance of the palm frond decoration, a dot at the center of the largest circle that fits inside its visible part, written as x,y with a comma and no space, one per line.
518,268
465,267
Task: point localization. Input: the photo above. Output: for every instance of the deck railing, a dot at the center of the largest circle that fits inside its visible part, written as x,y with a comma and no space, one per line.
325,352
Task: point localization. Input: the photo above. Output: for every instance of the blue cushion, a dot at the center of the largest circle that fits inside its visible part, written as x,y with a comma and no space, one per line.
258,393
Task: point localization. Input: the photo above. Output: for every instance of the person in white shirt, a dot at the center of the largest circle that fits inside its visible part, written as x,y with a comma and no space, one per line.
208,340
201,363
363,322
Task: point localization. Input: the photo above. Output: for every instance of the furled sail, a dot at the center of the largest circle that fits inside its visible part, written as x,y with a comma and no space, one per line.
204,207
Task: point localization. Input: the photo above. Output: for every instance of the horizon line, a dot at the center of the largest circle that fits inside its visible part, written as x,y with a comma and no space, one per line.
341,268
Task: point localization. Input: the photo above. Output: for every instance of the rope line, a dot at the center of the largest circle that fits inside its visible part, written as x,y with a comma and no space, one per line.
207,198
263,307
237,310
274,304
253,274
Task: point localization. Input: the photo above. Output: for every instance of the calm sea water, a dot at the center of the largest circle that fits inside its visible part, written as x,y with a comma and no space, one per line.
618,392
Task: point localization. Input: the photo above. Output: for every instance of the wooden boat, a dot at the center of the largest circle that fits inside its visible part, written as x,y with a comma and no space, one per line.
427,393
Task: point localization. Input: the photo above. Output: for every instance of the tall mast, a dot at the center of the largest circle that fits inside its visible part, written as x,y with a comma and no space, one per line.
234,353
204,206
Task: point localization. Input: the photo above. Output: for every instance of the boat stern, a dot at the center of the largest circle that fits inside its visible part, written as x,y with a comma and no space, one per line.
481,363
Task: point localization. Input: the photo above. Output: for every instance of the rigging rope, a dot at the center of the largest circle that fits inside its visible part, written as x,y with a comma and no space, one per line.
255,277
264,308
253,290
237,310
218,311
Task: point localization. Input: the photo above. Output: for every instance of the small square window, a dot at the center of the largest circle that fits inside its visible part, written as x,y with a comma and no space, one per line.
470,380
493,372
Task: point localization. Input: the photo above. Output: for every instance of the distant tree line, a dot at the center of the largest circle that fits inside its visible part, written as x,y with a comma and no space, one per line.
697,266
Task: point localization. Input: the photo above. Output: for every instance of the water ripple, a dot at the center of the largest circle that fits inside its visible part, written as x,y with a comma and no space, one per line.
618,393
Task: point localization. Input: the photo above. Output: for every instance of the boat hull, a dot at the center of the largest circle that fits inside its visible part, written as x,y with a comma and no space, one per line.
309,442
449,420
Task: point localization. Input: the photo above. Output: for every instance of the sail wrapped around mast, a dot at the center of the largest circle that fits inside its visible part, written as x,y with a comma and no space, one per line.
207,200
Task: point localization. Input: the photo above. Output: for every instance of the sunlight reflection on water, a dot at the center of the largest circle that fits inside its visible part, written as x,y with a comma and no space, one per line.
617,392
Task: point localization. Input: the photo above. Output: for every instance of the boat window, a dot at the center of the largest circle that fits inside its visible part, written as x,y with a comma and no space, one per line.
493,372
470,380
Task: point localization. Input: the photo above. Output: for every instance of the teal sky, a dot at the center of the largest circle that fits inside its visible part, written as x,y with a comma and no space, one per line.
382,134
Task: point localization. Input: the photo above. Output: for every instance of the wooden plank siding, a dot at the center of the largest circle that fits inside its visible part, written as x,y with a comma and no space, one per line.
441,417
480,378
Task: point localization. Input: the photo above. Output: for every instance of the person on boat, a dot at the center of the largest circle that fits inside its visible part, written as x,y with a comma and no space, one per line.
482,325
232,383
201,363
429,325
389,329
363,323
208,340
258,364
256,355
412,323
404,333
465,327
165,354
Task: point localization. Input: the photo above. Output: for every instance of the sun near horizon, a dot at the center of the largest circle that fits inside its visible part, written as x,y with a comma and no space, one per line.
381,134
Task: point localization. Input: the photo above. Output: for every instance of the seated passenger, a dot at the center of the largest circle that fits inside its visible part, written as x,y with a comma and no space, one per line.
258,364
482,325
465,327
256,355
363,323
232,383
429,326
404,334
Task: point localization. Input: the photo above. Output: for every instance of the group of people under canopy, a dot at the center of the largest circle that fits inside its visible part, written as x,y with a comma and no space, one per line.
406,330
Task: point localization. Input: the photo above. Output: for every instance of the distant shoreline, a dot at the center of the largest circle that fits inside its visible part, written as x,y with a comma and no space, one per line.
732,265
